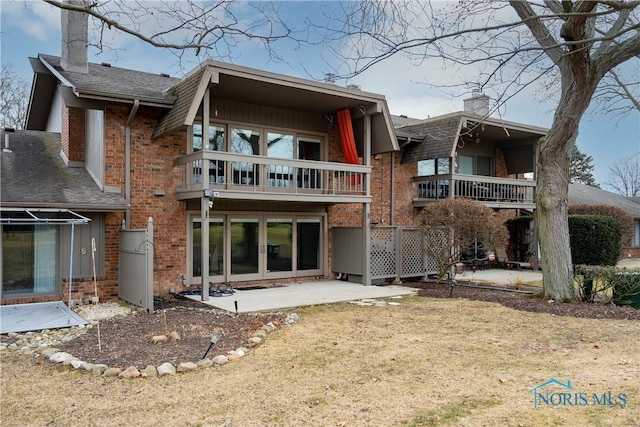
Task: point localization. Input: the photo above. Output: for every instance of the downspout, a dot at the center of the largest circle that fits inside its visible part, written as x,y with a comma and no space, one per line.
127,161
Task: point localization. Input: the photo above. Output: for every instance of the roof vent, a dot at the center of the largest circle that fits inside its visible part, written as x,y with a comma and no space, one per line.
164,75
106,64
353,87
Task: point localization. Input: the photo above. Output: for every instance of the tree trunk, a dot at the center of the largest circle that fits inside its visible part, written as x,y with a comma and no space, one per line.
552,187
552,222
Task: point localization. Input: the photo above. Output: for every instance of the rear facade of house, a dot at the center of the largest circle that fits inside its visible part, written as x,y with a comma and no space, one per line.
256,159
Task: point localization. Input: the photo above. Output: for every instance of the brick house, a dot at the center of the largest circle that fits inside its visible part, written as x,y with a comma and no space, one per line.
467,154
256,158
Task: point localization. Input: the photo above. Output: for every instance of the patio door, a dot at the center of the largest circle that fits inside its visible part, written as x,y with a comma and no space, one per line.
245,247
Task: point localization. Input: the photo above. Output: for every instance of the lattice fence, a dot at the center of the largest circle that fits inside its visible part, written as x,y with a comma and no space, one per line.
437,240
396,252
383,252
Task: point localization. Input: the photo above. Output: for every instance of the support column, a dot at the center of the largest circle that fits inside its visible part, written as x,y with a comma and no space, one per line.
366,207
204,200
204,242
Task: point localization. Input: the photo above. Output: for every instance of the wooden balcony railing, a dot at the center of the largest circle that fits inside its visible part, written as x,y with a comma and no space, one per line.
493,191
274,178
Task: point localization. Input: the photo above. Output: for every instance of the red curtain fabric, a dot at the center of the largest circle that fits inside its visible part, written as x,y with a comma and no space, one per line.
347,138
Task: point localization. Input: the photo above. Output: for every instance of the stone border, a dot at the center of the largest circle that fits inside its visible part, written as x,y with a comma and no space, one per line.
41,344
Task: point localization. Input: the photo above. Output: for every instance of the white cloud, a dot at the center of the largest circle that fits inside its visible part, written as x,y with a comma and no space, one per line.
36,19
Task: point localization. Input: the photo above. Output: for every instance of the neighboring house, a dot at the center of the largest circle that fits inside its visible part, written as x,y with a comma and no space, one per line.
255,158
581,194
468,154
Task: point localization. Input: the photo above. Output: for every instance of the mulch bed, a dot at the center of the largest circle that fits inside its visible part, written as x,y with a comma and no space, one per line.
127,341
531,303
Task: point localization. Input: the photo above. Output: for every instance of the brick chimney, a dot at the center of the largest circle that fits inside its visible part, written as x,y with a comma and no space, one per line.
477,104
75,27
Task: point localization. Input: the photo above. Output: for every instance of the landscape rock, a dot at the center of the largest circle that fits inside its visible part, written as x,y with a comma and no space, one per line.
205,363
159,339
150,372
99,369
61,357
166,369
186,367
130,372
174,336
112,372
77,364
255,340
220,359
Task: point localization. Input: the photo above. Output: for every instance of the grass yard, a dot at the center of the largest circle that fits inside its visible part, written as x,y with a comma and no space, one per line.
427,362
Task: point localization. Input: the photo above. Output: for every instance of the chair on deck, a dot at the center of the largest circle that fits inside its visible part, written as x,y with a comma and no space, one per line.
503,260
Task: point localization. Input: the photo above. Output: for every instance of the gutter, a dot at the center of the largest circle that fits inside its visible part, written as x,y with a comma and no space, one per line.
127,161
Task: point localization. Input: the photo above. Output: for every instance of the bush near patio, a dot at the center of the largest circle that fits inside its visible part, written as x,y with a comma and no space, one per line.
619,286
450,226
625,220
594,239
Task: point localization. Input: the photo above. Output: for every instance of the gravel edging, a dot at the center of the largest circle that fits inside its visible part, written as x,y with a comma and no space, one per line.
42,344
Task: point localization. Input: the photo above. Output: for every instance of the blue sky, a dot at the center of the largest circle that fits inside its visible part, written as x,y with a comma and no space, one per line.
31,27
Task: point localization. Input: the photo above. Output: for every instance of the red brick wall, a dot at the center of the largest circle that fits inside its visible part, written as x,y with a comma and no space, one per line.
153,167
72,133
405,191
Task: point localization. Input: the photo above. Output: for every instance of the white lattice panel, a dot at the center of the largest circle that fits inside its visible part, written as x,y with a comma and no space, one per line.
412,259
383,252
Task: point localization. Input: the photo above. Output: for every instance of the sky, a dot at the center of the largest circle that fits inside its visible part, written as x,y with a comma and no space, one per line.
29,27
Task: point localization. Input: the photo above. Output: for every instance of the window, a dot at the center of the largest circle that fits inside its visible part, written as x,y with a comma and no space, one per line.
29,259
245,141
472,165
281,146
429,166
216,143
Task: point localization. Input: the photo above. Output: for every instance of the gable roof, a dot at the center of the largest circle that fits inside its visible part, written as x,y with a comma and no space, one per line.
102,82
35,158
438,137
258,87
581,194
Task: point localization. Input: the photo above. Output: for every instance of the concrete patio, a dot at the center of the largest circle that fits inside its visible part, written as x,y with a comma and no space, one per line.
301,294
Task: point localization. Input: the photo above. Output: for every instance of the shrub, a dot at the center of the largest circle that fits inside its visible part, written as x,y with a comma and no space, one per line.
625,220
450,226
618,285
595,239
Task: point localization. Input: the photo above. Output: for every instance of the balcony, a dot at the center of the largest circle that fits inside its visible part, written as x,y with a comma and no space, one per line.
499,193
266,178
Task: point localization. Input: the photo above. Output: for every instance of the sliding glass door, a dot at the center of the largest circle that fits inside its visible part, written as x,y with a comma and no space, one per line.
245,247
29,260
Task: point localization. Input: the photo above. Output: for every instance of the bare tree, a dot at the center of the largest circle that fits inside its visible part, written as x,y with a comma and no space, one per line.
577,51
625,178
451,226
14,98
212,29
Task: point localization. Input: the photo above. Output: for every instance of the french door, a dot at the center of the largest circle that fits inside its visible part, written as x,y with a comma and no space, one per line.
245,247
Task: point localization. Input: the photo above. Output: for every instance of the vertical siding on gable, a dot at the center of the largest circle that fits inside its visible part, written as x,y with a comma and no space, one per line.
266,116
